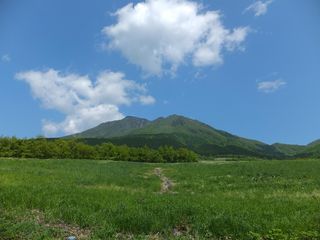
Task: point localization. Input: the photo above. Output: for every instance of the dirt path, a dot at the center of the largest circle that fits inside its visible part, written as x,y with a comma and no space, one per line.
166,183
68,230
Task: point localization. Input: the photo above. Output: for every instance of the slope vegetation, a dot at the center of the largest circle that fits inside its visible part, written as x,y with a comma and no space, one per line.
177,131
113,128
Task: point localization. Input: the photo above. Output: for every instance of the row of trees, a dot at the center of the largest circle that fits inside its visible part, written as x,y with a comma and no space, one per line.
75,149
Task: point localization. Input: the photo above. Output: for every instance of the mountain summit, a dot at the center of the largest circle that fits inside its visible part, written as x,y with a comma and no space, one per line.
114,128
177,131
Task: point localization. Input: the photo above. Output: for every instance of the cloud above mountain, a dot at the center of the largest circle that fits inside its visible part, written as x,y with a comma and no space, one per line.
5,58
85,103
159,36
259,8
271,86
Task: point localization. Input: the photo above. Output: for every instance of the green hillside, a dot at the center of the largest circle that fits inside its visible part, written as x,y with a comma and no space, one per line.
311,151
203,138
113,128
288,149
177,131
314,143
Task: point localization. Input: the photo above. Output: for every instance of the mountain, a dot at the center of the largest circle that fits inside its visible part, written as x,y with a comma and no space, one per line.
314,143
289,149
114,128
177,131
312,150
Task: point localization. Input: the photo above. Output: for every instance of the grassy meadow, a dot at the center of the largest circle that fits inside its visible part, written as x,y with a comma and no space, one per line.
92,199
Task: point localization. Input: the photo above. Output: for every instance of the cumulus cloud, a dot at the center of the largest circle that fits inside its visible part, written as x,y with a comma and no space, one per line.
85,103
160,35
271,86
5,58
259,8
146,100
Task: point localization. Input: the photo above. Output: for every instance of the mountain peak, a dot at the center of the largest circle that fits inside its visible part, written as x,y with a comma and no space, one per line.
177,120
133,118
115,128
179,131
176,116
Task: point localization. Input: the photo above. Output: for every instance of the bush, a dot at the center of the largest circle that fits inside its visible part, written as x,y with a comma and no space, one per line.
75,149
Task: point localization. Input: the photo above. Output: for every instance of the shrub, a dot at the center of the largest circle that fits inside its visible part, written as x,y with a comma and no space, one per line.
75,149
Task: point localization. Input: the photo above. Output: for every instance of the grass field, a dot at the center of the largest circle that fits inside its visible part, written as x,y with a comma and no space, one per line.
51,199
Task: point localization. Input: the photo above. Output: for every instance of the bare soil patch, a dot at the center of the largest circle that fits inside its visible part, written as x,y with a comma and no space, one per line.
67,229
166,183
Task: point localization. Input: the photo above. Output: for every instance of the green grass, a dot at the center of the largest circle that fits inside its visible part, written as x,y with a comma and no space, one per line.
48,199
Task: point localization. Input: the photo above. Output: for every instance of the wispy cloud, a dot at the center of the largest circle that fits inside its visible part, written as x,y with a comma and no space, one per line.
147,100
5,58
85,103
259,8
271,86
159,36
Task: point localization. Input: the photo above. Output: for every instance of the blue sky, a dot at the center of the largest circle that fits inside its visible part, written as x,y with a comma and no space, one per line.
248,67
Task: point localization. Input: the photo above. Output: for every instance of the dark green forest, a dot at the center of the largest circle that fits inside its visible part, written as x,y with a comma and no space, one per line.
74,149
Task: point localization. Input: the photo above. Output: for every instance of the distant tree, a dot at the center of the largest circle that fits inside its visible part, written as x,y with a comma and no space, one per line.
106,151
75,149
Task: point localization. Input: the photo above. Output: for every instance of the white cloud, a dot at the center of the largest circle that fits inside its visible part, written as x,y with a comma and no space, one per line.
271,86
160,35
83,102
146,100
259,7
5,58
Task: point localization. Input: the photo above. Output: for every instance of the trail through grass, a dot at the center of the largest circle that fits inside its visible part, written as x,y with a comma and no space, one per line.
166,183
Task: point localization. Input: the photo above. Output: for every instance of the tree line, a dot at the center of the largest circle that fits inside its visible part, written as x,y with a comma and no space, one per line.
43,148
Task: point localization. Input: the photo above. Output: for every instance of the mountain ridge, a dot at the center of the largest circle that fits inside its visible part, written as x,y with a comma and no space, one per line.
180,131
113,128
